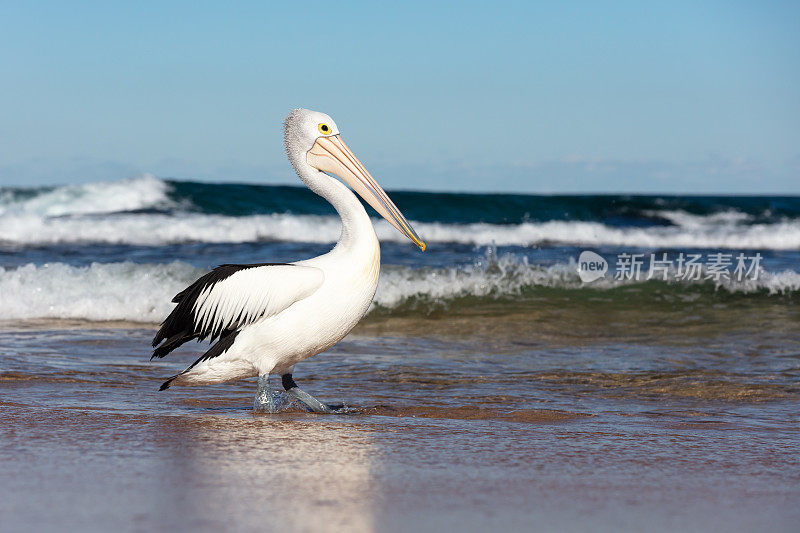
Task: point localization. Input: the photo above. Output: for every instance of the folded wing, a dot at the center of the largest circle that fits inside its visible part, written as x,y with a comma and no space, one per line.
231,297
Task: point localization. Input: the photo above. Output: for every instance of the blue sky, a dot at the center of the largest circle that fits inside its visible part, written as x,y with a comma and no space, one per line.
498,96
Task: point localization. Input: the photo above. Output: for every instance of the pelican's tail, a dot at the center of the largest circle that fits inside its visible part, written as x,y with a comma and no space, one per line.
166,384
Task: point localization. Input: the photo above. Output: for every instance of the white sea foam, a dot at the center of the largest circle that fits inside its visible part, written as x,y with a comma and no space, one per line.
493,278
509,275
161,229
115,291
158,229
778,236
143,192
142,292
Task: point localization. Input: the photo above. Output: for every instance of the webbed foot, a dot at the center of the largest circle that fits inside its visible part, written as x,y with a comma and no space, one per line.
313,405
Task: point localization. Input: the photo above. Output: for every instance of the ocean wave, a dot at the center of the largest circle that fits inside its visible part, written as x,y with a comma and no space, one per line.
510,278
152,212
156,229
142,292
778,236
144,192
113,291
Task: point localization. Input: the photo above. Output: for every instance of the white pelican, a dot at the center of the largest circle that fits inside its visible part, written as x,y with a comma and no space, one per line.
270,316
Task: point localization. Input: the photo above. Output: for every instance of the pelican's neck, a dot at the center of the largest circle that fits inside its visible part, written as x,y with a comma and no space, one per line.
357,230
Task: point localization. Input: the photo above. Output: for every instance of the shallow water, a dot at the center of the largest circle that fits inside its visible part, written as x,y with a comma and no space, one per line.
445,429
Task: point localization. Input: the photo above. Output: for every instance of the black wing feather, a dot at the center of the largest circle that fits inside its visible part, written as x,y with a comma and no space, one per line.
179,327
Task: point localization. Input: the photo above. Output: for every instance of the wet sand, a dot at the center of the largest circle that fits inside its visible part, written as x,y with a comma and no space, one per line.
439,432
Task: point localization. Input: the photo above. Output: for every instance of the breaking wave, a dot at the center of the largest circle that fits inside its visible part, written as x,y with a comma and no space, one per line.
144,192
152,212
142,292
156,229
778,236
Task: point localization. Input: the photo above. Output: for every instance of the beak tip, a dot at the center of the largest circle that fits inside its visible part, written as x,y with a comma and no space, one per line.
422,246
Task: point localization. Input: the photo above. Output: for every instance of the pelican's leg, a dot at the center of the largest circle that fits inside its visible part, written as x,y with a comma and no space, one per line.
314,405
264,402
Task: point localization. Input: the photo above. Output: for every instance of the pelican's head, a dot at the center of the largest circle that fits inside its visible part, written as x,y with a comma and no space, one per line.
313,138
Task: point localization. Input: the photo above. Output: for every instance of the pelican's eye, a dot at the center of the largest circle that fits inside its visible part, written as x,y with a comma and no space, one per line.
324,129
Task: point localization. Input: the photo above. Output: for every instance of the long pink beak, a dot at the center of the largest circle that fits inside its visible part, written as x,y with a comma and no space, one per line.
331,154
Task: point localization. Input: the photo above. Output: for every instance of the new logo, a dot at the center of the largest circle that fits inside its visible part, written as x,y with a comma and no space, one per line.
591,266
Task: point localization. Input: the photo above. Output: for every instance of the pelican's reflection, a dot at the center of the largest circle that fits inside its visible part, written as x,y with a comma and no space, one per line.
301,473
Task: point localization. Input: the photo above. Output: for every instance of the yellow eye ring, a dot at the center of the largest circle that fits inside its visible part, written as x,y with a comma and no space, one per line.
324,129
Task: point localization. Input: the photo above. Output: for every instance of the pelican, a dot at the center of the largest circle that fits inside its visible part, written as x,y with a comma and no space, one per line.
267,317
